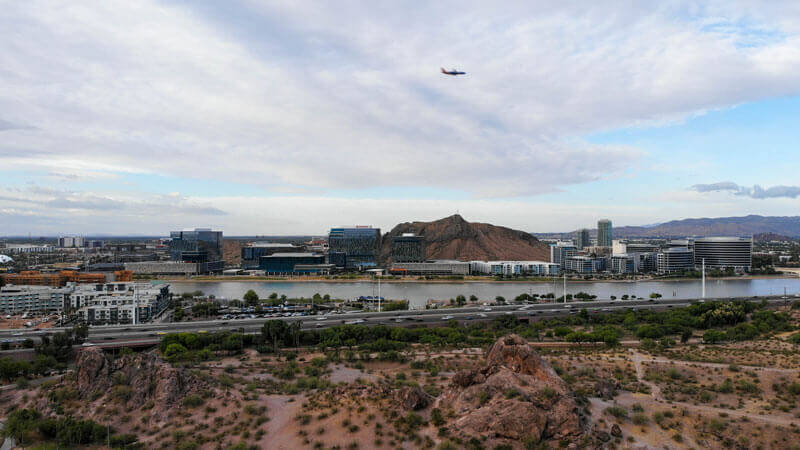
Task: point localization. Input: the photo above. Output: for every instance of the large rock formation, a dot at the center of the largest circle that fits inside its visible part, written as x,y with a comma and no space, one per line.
145,377
517,396
455,238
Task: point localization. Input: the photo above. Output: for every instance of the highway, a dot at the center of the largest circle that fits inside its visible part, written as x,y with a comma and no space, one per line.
114,335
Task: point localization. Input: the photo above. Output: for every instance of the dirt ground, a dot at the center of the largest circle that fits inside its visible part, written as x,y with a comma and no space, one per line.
736,396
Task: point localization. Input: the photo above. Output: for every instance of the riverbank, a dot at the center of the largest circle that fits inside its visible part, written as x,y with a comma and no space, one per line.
369,279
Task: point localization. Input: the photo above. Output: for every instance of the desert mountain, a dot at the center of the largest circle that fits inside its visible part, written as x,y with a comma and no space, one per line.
716,226
455,238
719,226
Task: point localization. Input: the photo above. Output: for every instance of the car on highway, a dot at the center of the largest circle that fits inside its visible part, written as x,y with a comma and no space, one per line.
486,309
533,313
321,318
88,344
448,317
354,322
482,315
567,306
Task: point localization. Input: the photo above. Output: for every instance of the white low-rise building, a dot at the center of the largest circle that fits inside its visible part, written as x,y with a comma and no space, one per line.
119,302
126,302
510,268
32,299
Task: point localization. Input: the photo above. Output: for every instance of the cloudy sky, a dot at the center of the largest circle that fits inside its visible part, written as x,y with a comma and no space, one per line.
290,117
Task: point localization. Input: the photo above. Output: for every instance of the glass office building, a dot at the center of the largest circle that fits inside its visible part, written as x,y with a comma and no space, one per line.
201,245
723,252
358,247
408,247
604,235
582,239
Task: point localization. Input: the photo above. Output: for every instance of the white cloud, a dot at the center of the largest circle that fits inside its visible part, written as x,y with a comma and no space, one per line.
347,94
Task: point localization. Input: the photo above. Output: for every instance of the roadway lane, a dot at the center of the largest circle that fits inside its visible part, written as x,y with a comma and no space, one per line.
108,334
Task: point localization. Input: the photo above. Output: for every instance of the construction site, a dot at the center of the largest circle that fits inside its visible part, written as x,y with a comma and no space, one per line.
58,279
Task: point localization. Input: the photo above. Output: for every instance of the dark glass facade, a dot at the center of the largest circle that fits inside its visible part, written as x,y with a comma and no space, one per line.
408,248
360,246
197,246
251,256
281,263
722,252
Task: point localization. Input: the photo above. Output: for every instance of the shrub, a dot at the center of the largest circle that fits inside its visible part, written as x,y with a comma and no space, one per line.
640,419
617,411
193,401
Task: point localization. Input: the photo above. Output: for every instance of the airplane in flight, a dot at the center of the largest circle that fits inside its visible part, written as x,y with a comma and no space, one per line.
452,72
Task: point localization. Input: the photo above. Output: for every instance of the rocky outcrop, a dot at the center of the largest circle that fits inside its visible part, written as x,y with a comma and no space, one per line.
143,377
413,398
516,396
455,238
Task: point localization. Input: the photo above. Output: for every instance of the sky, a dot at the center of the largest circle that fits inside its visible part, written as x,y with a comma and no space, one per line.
271,118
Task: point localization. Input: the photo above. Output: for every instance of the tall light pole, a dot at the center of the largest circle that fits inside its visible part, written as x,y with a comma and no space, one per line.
704,279
565,287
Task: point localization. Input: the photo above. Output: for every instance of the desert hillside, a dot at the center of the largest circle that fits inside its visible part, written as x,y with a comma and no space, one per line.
455,238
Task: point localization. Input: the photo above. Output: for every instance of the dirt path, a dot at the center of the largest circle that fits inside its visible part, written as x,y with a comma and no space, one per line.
281,428
678,362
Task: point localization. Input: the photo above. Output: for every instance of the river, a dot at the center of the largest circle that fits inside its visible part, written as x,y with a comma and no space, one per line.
419,293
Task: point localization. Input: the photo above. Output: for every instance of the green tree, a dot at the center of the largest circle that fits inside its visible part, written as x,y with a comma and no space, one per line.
251,298
274,330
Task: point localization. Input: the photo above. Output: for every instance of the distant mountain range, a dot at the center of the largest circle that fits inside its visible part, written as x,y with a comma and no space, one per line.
455,238
719,226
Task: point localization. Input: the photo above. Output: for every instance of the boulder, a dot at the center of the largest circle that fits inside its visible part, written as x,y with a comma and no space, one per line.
413,398
516,395
607,389
616,431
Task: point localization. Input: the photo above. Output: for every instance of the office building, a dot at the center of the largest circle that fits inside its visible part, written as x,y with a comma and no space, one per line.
354,248
604,234
251,254
582,239
288,263
408,247
585,264
443,267
166,268
623,246
645,262
201,245
70,242
623,264
685,243
724,252
560,251
675,259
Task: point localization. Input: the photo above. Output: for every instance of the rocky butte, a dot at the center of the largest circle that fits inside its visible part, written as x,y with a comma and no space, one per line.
455,238
515,397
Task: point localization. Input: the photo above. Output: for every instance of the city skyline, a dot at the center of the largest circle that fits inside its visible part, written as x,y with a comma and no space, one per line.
134,119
